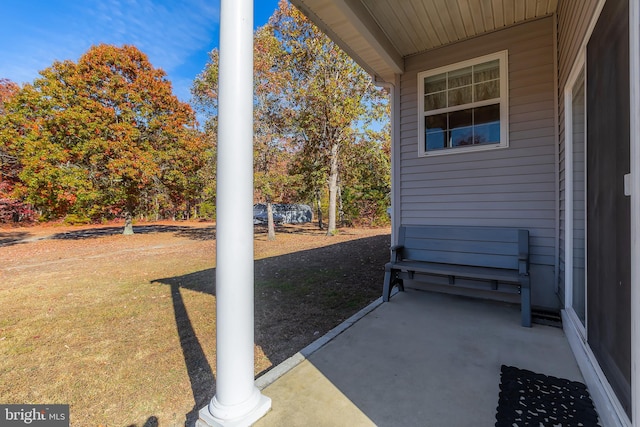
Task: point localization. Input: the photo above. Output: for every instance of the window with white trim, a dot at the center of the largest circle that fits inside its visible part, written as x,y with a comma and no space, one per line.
464,107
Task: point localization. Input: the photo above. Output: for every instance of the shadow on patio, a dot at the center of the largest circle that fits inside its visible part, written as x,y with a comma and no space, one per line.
423,359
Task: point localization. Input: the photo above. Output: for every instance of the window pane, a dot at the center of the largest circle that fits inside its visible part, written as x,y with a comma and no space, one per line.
435,101
460,125
487,124
462,118
461,136
436,140
461,77
436,122
436,135
488,114
487,71
487,134
460,96
436,83
487,90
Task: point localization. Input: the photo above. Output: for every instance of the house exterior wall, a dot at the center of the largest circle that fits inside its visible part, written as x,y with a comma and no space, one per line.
574,18
512,187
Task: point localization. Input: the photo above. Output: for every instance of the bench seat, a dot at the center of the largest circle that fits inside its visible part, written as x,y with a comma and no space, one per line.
459,271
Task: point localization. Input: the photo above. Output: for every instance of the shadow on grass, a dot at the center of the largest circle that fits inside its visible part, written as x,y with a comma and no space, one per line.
8,238
195,233
151,422
298,298
201,375
198,367
207,232
309,229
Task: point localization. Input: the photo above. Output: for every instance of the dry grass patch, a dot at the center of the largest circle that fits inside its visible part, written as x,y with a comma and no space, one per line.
122,328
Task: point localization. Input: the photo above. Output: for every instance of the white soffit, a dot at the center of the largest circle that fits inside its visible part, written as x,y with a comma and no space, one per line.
379,34
350,25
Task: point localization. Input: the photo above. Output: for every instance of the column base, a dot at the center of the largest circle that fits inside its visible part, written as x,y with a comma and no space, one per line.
261,406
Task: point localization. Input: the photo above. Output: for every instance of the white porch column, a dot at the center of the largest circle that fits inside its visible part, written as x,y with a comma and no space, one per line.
634,70
237,401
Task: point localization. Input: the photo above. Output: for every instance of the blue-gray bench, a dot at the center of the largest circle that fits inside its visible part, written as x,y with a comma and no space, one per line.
492,254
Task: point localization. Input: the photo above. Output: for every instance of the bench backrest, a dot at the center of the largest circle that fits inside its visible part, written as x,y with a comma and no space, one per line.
478,246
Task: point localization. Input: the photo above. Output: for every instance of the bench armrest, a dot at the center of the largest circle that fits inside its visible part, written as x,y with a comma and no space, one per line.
396,253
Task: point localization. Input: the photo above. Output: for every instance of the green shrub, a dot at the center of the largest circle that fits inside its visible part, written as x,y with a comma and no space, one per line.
76,219
207,210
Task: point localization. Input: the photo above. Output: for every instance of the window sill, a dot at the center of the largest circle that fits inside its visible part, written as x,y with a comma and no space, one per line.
461,150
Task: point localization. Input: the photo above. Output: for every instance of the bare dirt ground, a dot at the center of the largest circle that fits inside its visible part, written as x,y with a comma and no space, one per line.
122,328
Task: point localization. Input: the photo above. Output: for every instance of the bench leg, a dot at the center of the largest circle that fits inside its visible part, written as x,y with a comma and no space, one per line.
386,289
525,298
390,281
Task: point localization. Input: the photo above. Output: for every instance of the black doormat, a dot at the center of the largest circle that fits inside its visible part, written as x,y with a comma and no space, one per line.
531,399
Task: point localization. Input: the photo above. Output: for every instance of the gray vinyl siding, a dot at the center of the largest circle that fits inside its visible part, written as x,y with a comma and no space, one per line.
511,187
574,18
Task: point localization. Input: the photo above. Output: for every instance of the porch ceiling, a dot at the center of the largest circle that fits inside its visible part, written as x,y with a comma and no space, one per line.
379,34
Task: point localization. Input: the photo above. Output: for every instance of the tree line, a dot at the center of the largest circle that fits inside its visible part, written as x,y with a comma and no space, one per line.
105,137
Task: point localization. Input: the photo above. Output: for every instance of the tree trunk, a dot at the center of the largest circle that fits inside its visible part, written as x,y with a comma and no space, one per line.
333,189
128,223
271,229
319,209
340,206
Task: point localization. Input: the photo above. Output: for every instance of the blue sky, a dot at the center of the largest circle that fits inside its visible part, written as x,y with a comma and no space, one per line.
176,34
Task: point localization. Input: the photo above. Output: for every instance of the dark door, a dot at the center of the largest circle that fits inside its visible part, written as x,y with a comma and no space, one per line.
608,209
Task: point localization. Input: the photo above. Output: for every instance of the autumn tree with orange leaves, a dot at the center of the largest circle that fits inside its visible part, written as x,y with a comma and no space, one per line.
98,138
12,209
8,162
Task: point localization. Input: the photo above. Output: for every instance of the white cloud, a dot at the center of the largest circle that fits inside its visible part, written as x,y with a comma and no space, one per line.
170,32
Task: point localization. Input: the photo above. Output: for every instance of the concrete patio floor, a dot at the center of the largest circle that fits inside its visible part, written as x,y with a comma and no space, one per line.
423,359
